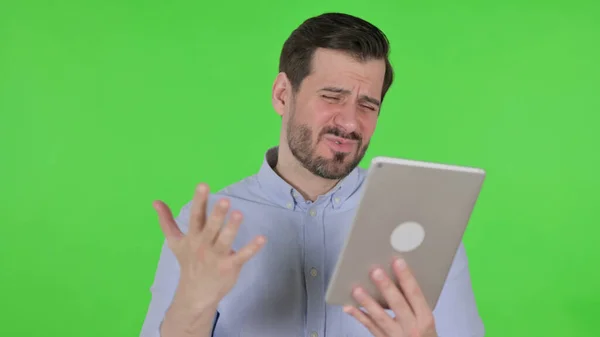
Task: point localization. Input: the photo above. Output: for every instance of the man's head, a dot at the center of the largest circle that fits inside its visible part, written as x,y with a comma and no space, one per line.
334,73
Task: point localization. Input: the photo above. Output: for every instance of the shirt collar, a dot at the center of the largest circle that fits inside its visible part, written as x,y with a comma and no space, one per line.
277,190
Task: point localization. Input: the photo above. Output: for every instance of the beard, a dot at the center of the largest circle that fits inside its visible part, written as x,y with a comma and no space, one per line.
300,142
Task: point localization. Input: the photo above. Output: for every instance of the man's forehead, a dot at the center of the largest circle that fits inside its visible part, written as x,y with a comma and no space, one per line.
334,70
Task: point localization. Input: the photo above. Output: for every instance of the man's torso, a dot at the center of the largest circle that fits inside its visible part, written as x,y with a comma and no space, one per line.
281,291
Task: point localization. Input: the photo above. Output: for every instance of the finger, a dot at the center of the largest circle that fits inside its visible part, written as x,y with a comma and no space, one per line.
214,222
248,251
227,235
198,211
167,222
376,312
411,290
365,320
394,297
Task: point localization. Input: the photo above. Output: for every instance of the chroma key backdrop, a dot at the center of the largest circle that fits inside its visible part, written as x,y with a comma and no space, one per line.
108,105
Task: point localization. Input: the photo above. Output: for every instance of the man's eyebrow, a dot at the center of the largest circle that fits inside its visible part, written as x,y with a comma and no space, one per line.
346,92
336,90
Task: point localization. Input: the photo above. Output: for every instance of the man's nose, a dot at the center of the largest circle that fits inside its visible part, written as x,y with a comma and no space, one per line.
347,118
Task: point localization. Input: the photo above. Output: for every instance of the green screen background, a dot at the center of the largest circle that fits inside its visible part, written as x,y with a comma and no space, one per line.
108,105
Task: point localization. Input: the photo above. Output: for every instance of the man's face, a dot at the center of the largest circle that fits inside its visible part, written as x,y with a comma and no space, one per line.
333,115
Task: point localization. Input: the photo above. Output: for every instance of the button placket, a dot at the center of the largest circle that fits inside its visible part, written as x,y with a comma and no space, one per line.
314,259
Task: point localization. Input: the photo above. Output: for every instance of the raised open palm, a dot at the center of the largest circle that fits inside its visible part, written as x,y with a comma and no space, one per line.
208,266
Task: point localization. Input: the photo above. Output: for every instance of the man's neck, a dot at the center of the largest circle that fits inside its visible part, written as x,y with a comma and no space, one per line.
305,182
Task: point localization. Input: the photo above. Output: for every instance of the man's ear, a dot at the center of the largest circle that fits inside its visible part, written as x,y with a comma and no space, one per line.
281,93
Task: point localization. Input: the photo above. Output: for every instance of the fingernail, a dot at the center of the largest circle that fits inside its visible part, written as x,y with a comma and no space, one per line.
378,274
359,293
347,309
400,264
223,203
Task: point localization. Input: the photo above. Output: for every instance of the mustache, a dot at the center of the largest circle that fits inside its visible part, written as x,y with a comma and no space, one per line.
339,133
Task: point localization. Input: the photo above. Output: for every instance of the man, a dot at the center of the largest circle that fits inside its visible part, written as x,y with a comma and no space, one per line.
267,276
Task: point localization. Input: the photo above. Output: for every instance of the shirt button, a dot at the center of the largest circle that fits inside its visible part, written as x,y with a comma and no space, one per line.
336,200
314,334
289,205
313,272
312,212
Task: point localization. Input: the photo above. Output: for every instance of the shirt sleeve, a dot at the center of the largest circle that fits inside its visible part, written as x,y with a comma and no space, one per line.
456,313
162,291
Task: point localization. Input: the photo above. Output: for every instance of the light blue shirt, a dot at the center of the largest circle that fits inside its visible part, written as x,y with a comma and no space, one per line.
281,291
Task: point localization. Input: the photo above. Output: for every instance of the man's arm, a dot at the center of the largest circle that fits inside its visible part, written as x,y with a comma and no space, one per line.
183,319
197,266
167,313
456,313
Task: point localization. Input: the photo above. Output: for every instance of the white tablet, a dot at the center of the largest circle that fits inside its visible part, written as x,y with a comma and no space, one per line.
416,210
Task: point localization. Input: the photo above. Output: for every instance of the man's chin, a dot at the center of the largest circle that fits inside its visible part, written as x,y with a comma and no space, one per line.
334,168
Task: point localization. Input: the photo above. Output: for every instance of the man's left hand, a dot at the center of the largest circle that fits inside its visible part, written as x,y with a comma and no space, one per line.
413,317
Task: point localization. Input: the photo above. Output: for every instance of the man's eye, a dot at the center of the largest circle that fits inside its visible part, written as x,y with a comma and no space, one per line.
330,97
368,107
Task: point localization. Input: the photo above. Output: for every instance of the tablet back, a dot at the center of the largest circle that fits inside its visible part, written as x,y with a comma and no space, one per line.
416,210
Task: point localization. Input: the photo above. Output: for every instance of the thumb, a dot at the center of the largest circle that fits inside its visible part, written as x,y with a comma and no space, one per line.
168,225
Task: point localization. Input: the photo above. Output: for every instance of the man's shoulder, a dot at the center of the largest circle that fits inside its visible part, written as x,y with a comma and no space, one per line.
247,189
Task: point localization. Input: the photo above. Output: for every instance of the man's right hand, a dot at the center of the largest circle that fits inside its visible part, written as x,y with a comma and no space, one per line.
208,266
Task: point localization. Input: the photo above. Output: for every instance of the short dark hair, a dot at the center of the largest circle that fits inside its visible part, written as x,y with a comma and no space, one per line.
337,31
